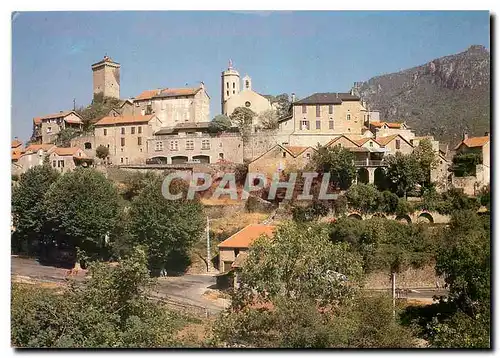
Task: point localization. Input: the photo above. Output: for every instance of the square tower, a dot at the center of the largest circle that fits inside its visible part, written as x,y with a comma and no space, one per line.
106,75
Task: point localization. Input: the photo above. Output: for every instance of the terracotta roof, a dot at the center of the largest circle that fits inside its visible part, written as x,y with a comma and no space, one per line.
38,120
389,124
353,141
387,139
69,151
110,120
37,147
16,154
362,141
167,92
327,98
15,143
473,142
295,150
246,236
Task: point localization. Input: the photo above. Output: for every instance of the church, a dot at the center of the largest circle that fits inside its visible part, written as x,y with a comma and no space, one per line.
233,96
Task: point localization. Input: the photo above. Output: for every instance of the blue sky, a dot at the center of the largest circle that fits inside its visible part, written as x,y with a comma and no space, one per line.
301,52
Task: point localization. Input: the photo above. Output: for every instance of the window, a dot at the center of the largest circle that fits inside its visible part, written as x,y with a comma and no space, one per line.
139,140
304,108
221,155
205,144
318,124
398,144
121,160
132,130
122,130
190,144
158,146
126,160
220,144
139,130
174,145
247,104
304,125
54,163
60,163
318,110
330,109
308,155
227,84
348,117
227,93
149,109
122,142
87,145
330,125
234,85
284,154
247,84
371,144
105,132
49,129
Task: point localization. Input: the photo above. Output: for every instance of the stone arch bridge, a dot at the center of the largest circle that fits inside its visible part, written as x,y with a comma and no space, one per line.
430,217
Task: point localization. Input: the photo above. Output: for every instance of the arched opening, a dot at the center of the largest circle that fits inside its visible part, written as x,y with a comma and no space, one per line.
157,160
363,176
379,215
404,219
355,216
380,179
202,158
425,218
87,145
179,159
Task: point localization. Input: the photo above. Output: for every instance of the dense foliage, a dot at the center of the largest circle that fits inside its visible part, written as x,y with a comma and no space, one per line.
464,164
28,212
243,118
82,208
100,107
220,123
337,161
102,152
108,310
168,228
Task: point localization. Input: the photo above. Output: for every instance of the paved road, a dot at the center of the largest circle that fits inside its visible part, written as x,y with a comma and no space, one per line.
187,289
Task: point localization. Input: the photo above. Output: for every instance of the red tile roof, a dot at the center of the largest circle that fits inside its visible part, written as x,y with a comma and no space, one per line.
295,150
342,136
37,147
387,139
38,120
389,124
167,92
246,236
15,143
69,152
106,121
16,154
474,142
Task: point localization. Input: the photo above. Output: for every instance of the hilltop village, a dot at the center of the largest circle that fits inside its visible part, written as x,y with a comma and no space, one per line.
170,127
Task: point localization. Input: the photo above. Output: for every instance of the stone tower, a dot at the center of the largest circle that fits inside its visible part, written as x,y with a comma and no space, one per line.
230,85
247,82
106,75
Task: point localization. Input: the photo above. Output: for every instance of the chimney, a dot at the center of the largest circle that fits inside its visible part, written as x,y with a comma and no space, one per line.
465,136
293,97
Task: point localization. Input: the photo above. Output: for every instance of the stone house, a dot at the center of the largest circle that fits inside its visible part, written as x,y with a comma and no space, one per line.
34,155
383,129
281,158
125,136
321,116
67,159
239,243
46,128
190,142
172,106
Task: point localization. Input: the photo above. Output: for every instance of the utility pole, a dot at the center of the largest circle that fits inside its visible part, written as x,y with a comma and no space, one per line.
208,244
393,279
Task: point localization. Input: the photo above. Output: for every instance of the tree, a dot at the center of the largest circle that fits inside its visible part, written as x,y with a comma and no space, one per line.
102,152
464,164
28,212
82,209
167,228
220,123
107,310
404,172
65,136
99,108
243,118
294,294
427,158
337,161
364,197
268,119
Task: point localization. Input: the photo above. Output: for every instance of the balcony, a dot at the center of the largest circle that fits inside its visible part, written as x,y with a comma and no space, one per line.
370,163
